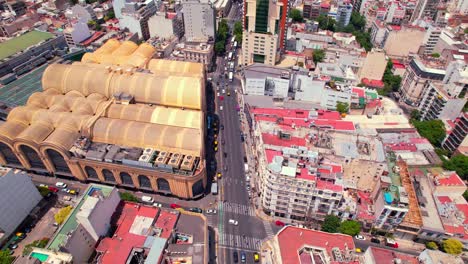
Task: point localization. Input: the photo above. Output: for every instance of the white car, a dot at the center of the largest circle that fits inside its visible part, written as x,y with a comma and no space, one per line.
43,185
157,205
211,211
359,237
221,108
233,222
147,199
61,185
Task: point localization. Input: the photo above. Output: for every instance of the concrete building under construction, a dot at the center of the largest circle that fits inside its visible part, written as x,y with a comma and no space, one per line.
117,117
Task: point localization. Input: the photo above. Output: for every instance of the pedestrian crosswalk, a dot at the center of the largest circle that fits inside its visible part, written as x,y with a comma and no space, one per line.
239,209
239,241
268,230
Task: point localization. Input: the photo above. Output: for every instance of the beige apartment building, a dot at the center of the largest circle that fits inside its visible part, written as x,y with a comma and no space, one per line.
374,65
264,31
401,41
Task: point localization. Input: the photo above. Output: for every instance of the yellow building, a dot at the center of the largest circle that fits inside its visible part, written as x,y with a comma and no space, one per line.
117,117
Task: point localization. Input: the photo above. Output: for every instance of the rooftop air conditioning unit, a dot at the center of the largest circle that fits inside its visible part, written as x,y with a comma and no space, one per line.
187,163
148,151
160,160
144,158
175,160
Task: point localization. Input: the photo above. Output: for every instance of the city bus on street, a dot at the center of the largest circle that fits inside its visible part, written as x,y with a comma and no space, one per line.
231,76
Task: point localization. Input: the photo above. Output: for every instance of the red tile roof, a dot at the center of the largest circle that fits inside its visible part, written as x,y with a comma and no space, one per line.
387,256
276,141
166,221
444,199
116,249
325,185
455,229
291,239
372,83
419,141
270,154
403,147
359,91
452,180
464,209
335,124
305,175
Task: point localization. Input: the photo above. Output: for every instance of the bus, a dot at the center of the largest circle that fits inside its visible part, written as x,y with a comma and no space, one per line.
214,188
230,76
230,56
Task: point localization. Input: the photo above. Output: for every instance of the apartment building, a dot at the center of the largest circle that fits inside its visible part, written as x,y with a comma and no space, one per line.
134,15
431,38
311,9
76,33
436,103
199,20
457,136
264,31
202,53
261,79
420,72
395,13
456,77
20,196
343,13
425,9
165,25
296,182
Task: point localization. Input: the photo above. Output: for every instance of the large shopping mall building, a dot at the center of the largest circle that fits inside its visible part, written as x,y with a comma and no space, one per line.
117,117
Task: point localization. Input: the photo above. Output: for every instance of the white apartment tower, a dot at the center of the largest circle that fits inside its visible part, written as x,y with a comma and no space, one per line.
199,20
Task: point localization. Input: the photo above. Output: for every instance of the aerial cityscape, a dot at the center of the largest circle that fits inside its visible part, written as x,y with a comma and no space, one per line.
233,131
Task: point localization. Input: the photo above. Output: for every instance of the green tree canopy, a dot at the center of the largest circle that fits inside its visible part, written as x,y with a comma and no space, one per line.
331,224
433,130
342,107
296,15
318,55
220,47
5,257
126,196
36,243
62,214
458,163
432,245
415,114
452,246
326,23
350,227
44,191
238,29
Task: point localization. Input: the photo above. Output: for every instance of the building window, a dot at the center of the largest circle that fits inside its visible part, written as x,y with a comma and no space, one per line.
32,156
126,178
91,172
144,182
108,175
163,185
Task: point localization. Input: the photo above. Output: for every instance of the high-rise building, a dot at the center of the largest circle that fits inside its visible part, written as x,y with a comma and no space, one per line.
343,14
134,15
437,104
264,31
199,20
425,9
458,134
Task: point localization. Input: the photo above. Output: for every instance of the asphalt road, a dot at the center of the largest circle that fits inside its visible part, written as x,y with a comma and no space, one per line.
363,245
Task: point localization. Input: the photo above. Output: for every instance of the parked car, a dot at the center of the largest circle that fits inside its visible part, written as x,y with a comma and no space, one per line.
211,211
243,257
235,256
233,222
256,257
175,206
195,210
13,246
375,240
53,189
157,205
44,185
147,199
279,223
72,191
219,175
61,185
359,237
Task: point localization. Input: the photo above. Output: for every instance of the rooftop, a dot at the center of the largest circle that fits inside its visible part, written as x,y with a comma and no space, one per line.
292,240
71,223
387,256
17,44
448,179
133,226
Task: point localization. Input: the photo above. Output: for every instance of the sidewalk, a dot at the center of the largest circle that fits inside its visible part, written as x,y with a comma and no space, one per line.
410,245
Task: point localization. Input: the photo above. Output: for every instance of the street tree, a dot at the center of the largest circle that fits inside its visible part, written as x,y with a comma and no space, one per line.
452,246
318,55
5,257
458,163
350,227
343,108
296,15
331,224
433,130
126,196
62,214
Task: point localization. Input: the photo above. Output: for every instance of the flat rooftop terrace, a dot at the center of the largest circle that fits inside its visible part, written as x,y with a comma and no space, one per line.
15,45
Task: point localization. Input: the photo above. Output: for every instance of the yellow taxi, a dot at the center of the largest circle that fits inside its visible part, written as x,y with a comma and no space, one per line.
219,175
216,142
216,148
